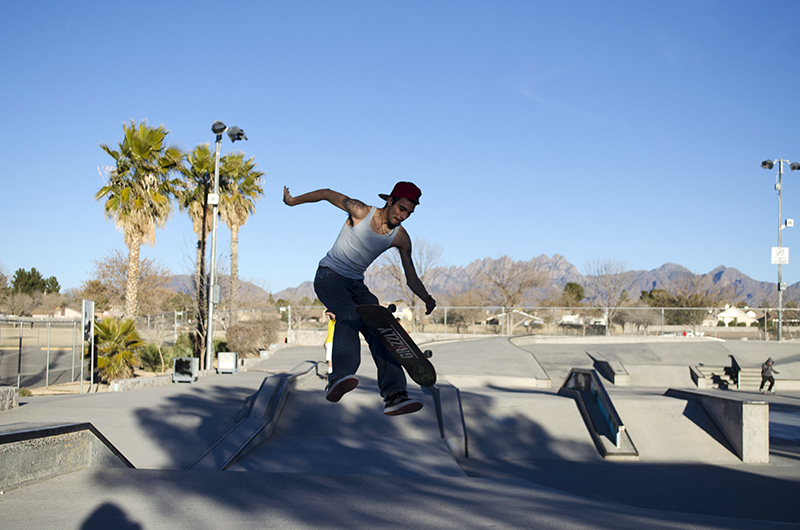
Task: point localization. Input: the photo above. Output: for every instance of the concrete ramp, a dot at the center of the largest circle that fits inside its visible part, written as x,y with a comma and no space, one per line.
352,436
524,425
672,430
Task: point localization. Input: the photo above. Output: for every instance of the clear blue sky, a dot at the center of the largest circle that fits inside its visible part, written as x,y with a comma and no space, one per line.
625,130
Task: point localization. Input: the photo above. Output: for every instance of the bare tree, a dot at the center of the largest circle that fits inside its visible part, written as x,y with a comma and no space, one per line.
692,290
19,304
110,276
466,308
607,280
507,283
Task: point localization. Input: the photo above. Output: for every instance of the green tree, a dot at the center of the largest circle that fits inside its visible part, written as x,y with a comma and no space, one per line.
27,282
138,193
4,290
117,342
573,294
242,190
198,176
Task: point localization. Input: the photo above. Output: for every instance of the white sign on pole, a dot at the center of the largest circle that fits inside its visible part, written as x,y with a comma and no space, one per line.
780,255
87,325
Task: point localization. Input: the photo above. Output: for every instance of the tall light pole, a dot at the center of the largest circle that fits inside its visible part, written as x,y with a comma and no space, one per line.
782,255
234,133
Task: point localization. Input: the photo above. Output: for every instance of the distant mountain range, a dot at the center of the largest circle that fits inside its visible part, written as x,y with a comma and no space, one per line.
444,280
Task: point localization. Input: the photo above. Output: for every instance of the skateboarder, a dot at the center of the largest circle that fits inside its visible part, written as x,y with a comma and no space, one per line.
766,375
339,284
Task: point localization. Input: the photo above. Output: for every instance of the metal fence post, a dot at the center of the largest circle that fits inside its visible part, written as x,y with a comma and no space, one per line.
74,326
19,357
47,368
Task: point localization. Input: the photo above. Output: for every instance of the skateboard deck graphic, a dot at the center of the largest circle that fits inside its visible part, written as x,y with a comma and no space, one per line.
396,340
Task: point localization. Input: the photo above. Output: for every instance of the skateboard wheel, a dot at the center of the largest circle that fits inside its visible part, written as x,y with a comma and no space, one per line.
428,354
392,308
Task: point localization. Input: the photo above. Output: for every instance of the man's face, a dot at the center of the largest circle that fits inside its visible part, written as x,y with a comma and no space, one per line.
399,211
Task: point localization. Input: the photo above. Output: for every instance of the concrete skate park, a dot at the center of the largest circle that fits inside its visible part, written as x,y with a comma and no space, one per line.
499,444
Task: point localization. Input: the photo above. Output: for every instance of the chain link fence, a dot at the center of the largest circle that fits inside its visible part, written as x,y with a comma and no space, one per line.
36,353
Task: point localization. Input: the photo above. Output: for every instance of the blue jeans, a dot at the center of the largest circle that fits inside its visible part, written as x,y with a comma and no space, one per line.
340,296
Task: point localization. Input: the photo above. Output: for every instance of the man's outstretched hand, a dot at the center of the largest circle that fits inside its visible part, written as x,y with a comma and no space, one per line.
288,200
430,305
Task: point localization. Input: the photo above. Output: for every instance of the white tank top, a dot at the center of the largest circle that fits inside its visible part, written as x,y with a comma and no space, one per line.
356,248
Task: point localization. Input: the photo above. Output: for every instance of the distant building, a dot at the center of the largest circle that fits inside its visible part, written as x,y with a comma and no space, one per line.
732,316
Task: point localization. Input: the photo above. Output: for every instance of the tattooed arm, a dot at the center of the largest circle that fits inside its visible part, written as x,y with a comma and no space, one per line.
355,208
403,244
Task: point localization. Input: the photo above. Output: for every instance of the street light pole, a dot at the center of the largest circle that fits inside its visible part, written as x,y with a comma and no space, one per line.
769,164
234,133
213,199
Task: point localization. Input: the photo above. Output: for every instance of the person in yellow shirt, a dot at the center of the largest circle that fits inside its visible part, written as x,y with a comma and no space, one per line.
328,345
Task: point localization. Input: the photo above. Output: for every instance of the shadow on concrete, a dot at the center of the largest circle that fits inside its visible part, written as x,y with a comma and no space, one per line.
687,488
108,516
695,412
188,423
334,500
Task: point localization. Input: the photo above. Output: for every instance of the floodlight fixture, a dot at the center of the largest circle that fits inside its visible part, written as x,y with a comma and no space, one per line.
795,166
235,133
218,127
767,164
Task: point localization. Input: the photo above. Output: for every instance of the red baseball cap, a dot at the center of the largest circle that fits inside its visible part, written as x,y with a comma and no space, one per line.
404,190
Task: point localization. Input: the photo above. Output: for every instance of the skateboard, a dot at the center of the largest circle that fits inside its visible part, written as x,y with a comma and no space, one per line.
383,323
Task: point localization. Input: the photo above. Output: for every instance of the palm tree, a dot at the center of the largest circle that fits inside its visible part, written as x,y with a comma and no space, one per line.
139,193
193,199
117,343
242,189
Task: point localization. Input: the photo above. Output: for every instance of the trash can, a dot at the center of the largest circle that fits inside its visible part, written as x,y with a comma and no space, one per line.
184,369
227,362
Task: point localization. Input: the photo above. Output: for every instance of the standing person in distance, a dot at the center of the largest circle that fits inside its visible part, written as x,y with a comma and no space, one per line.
368,231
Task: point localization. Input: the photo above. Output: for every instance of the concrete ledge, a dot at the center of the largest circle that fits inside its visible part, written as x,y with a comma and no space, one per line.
614,371
123,385
744,423
9,398
260,421
135,383
698,378
32,453
452,425
540,376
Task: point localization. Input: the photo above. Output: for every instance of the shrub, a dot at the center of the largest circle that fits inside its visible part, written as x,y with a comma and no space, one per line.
117,343
183,347
247,338
152,360
25,392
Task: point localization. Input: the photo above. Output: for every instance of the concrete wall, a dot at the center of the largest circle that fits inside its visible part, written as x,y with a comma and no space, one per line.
744,423
9,398
37,454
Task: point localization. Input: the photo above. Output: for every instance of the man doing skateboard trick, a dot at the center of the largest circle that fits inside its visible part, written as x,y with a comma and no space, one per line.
339,283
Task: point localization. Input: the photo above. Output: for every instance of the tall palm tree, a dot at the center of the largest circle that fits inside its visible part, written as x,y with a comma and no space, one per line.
193,199
139,193
242,189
